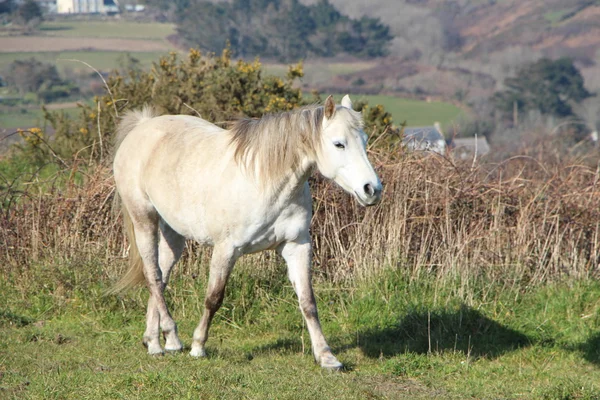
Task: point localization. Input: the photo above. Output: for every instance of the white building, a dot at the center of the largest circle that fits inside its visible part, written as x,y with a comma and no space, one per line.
86,6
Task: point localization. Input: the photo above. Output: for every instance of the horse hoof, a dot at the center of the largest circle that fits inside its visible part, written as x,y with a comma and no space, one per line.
155,351
173,347
198,352
331,363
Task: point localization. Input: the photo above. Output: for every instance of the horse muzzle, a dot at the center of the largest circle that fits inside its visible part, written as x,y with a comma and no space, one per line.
370,194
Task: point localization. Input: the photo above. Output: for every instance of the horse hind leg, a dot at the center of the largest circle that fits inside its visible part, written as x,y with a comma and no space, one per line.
170,247
221,264
146,228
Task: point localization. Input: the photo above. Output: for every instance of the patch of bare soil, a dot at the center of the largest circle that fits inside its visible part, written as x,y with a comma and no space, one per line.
39,43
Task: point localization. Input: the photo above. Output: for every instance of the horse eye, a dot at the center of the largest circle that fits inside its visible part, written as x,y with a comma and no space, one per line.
339,145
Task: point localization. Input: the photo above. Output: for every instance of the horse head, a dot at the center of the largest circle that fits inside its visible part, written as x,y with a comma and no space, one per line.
342,154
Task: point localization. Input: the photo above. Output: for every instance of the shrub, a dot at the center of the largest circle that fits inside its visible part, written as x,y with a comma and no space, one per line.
214,87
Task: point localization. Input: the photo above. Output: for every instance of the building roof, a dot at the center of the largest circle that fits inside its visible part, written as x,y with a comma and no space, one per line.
424,138
429,133
465,147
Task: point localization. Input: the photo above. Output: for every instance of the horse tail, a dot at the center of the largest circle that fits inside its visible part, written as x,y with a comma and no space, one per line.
129,121
135,273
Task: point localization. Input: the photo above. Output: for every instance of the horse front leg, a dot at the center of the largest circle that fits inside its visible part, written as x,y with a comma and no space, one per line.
298,258
221,264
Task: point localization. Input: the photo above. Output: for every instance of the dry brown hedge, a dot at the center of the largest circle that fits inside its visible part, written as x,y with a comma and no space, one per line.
524,220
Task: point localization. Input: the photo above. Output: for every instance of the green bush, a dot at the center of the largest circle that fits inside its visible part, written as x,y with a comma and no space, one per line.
213,87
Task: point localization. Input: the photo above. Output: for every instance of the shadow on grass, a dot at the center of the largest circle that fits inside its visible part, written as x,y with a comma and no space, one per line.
591,349
284,345
9,318
465,330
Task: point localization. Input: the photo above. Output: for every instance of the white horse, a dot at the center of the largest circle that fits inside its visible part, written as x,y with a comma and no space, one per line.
240,191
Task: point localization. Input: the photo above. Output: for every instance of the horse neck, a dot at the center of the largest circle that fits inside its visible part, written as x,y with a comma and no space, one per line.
292,183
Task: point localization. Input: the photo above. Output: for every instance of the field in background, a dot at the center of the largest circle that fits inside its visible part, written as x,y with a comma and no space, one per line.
101,60
92,35
318,72
27,118
108,29
103,44
414,112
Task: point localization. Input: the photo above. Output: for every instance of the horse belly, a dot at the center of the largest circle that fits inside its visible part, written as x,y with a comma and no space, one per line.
194,229
290,225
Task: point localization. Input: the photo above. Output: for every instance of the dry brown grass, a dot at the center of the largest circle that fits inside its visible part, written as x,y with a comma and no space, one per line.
526,220
523,220
60,219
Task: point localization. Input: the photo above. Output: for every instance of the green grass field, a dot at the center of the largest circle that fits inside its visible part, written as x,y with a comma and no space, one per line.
108,29
101,60
319,72
21,119
399,337
414,112
27,118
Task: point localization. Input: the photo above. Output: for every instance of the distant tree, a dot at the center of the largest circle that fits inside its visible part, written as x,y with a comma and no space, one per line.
29,11
166,10
366,37
34,76
7,6
545,85
451,38
165,5
285,29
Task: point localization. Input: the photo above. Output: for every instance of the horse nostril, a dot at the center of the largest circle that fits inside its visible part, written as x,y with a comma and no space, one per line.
368,188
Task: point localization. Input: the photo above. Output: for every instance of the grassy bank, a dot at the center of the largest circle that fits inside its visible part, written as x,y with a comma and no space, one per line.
399,337
415,112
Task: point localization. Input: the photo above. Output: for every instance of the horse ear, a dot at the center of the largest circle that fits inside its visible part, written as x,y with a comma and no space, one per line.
346,102
329,107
